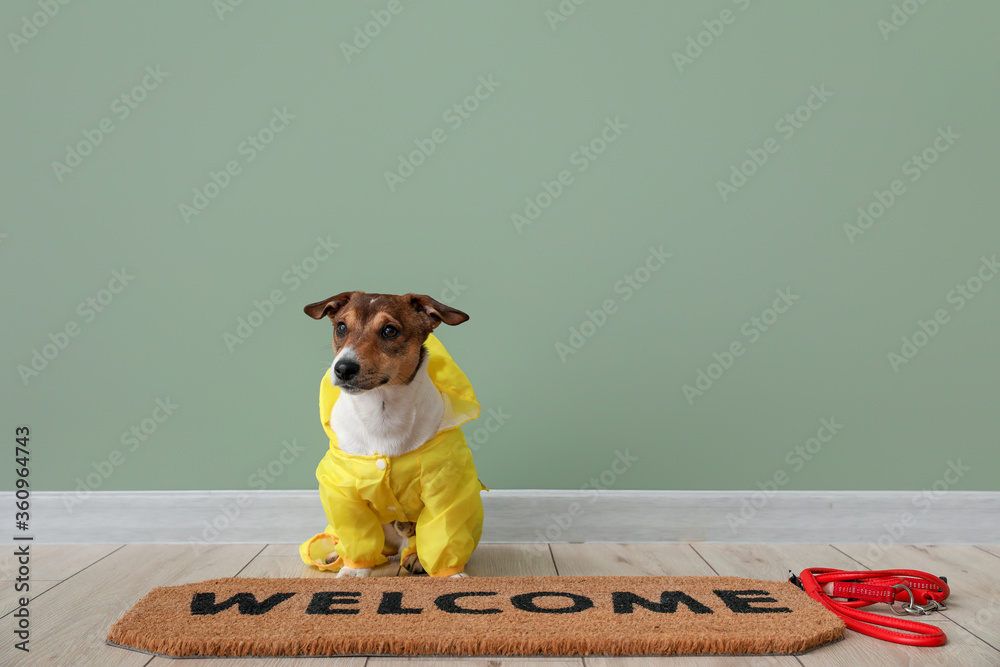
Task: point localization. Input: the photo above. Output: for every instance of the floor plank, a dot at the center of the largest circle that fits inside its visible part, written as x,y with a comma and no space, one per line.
53,562
70,620
648,560
511,560
991,548
259,662
488,560
696,661
858,649
771,561
972,577
9,596
281,550
49,564
476,662
293,567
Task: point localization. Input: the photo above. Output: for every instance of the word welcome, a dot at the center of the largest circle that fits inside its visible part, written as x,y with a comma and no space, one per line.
392,602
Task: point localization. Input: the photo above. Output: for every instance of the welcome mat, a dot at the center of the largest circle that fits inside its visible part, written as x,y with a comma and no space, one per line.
476,616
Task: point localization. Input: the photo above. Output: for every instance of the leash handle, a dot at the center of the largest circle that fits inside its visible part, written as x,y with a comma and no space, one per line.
922,593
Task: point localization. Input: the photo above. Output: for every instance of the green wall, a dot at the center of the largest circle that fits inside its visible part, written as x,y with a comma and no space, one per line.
624,143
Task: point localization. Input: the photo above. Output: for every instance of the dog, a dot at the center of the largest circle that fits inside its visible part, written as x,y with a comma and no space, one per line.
388,407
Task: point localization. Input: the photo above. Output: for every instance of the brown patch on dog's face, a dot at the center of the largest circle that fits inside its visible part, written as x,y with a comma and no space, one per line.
378,338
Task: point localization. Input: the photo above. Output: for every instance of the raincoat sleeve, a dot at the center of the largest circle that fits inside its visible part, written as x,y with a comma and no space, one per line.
451,522
353,530
360,537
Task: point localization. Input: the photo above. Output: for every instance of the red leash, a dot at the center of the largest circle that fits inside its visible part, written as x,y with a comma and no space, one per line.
920,592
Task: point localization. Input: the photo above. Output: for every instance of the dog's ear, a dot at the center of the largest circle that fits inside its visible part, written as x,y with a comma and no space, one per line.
328,307
436,311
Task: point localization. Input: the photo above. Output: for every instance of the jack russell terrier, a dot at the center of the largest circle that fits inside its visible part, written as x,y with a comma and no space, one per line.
398,476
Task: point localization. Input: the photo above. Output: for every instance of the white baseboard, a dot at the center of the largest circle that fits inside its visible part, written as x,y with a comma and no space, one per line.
521,516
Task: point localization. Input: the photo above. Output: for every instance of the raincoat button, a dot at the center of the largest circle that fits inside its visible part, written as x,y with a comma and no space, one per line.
380,464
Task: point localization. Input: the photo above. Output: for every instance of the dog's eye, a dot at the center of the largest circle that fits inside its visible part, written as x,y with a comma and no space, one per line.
389,331
341,329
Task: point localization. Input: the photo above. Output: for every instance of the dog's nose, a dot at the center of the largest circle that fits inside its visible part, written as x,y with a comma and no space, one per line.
346,369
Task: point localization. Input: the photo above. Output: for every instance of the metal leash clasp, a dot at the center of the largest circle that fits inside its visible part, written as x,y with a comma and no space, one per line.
912,608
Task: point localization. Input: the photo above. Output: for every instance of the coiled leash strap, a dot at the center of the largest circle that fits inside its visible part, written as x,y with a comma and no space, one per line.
920,592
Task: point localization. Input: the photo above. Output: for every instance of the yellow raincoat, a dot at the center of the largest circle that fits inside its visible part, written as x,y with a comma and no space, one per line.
435,485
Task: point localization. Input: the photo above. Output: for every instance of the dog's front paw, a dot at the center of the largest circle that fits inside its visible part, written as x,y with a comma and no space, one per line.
458,574
354,572
411,564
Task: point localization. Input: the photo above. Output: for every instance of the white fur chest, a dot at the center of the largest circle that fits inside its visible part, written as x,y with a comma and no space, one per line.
390,420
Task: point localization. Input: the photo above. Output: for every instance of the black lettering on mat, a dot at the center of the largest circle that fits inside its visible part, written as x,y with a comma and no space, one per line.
739,602
625,601
447,603
203,604
321,602
526,602
392,603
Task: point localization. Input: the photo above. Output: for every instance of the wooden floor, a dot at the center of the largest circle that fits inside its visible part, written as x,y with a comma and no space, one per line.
79,591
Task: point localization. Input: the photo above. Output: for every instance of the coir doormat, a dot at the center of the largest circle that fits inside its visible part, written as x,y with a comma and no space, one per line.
476,616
